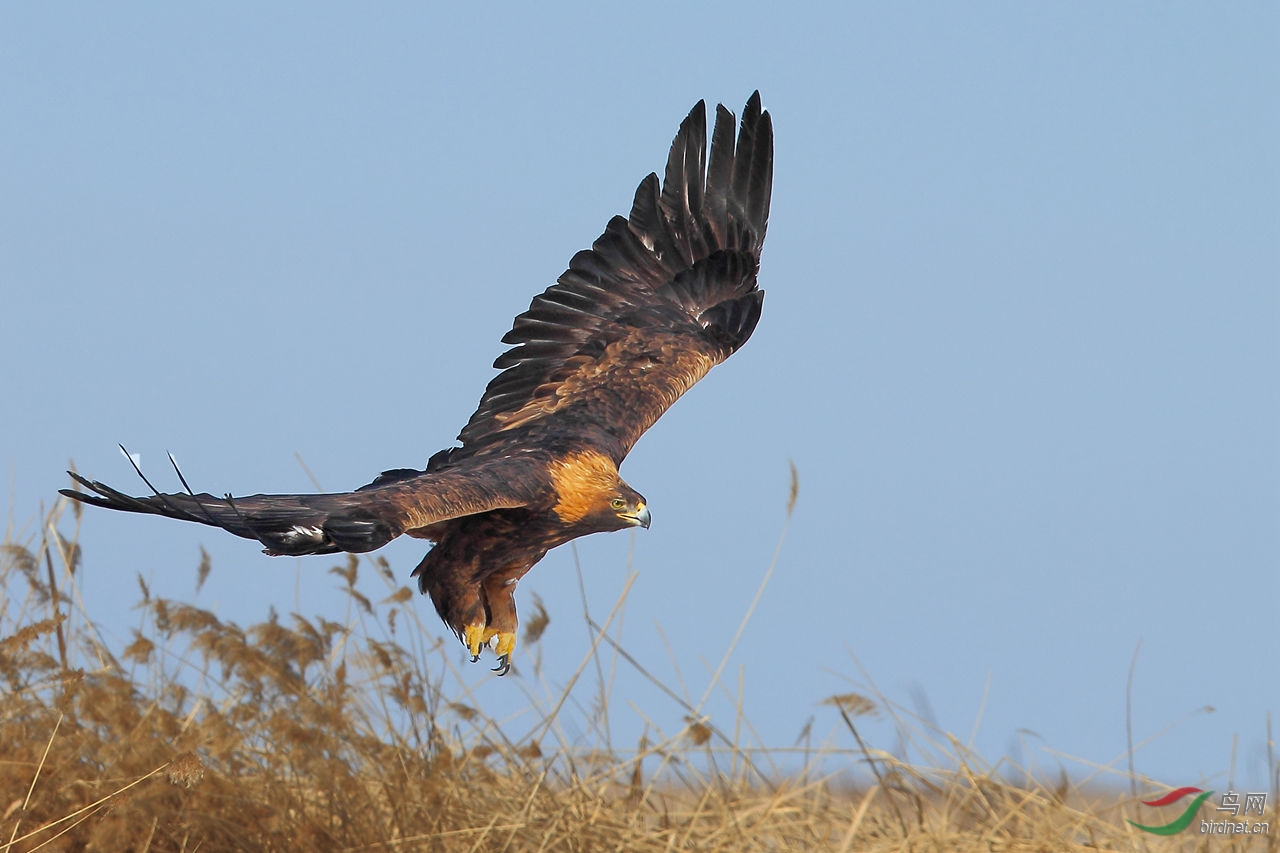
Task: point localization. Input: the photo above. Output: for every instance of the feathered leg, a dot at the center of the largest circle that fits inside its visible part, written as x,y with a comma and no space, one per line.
500,594
471,576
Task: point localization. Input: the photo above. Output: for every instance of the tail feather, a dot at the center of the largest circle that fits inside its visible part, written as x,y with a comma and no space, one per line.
284,524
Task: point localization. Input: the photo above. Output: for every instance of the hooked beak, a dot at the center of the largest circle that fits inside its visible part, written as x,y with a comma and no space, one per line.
640,518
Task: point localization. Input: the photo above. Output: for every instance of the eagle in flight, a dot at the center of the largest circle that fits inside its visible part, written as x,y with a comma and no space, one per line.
662,296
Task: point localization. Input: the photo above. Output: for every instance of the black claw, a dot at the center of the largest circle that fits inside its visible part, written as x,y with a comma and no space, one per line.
504,665
475,658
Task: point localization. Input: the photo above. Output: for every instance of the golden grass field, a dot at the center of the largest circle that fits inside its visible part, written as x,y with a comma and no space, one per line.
303,734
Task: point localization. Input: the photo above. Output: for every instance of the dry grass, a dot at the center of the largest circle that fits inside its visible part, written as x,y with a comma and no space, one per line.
307,734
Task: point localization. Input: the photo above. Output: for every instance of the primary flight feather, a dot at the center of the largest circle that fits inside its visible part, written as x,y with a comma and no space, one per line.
661,297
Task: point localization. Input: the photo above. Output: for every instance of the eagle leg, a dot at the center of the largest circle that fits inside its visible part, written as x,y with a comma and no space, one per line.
500,602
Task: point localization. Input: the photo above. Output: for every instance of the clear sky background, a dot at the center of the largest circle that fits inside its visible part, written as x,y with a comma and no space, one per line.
1020,338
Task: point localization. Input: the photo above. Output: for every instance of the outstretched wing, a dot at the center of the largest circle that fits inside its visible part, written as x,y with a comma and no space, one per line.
359,521
658,300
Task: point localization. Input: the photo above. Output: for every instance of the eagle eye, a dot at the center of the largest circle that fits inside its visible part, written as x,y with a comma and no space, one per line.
618,503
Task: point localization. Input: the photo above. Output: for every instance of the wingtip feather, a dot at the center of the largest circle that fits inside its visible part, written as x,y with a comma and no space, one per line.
713,198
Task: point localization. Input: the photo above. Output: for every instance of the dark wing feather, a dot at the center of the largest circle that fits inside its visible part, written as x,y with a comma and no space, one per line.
359,521
659,299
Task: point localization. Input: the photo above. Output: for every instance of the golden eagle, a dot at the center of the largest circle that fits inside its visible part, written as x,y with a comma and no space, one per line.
659,299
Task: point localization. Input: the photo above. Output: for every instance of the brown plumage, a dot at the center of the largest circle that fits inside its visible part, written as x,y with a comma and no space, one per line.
660,298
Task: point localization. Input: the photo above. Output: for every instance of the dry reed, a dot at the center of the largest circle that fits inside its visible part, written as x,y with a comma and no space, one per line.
309,734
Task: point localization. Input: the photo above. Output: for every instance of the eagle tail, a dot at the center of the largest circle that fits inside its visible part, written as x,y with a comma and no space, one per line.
292,525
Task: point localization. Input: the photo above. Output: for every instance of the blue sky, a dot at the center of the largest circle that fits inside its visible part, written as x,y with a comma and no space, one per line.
1020,338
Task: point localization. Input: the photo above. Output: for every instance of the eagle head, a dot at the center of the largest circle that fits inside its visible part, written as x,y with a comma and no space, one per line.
590,495
628,507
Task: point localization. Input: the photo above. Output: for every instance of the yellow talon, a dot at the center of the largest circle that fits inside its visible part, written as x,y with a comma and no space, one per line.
506,643
476,638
